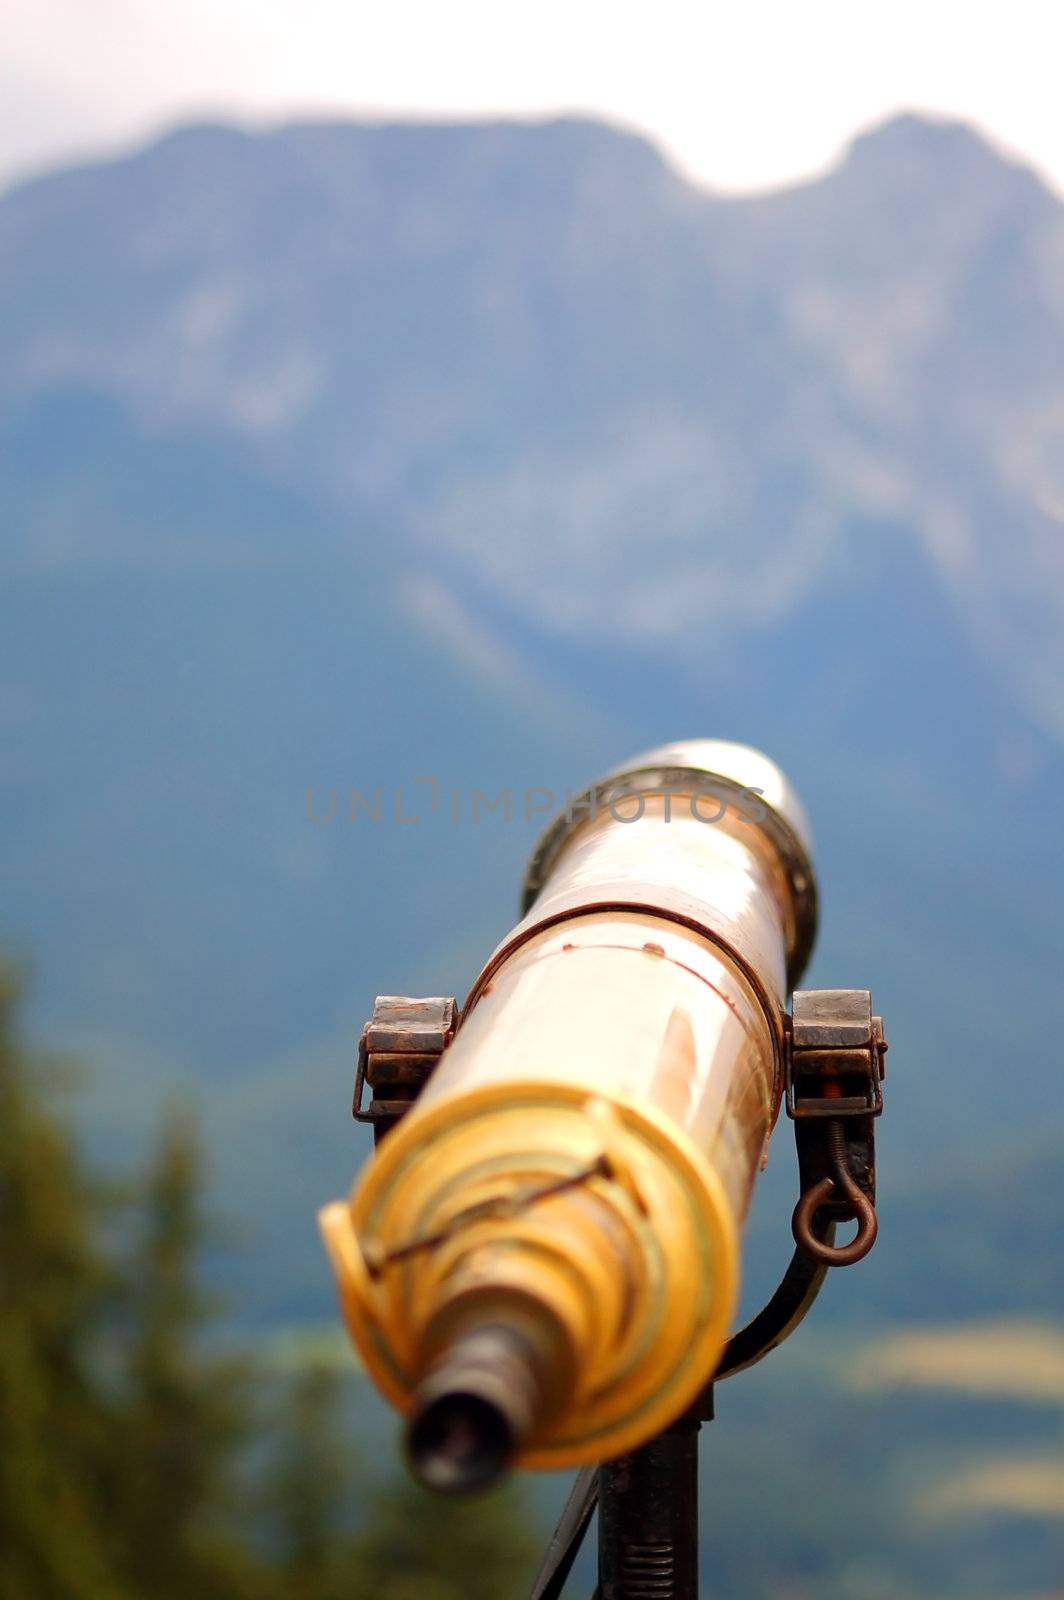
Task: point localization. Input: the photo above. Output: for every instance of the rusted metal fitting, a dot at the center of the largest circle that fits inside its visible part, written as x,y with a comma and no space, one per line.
834,1091
398,1050
834,1057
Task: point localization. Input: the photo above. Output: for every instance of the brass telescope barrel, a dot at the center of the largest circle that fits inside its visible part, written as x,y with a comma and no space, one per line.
540,1264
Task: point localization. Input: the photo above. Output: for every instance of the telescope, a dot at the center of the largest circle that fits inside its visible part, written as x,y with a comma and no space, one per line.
539,1265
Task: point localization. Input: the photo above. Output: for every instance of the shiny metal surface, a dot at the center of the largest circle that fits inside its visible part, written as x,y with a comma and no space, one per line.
746,779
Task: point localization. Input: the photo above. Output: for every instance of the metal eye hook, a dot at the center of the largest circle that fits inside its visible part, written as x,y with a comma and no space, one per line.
832,1255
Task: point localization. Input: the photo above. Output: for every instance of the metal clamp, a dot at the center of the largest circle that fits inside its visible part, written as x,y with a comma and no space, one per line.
834,1056
397,1052
834,1091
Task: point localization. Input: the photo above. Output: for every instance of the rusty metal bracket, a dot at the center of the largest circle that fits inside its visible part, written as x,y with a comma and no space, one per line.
397,1052
833,1073
834,1055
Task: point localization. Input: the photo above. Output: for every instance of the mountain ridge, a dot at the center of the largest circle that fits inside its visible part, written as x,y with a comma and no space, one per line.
491,392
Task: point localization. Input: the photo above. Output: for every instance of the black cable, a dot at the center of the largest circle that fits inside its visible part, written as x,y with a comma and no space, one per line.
568,1536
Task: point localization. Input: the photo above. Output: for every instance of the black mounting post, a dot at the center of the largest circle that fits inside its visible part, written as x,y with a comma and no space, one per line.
648,1518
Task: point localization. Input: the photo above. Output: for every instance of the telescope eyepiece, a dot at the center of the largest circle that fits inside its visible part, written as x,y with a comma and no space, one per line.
474,1409
459,1442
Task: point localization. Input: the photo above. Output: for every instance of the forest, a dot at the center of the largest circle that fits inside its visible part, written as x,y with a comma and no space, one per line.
143,1453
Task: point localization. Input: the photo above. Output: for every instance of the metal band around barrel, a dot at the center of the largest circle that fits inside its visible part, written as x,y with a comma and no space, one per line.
649,780
668,904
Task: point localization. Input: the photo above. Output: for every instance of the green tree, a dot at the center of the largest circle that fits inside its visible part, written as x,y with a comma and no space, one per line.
186,1409
127,1452
55,1426
312,1489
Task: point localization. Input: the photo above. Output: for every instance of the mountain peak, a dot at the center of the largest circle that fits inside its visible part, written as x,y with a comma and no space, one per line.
944,146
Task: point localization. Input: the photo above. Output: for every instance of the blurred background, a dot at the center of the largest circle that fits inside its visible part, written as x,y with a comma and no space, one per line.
481,395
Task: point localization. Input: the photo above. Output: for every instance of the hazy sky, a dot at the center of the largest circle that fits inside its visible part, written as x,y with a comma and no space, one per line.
742,95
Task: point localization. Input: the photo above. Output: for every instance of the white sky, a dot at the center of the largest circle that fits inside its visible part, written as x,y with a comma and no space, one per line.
742,95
